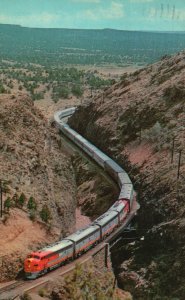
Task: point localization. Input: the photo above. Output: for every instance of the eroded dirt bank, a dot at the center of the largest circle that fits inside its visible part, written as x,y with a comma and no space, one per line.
38,183
135,122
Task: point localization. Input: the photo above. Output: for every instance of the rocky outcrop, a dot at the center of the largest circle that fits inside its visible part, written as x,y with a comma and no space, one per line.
95,191
85,282
135,121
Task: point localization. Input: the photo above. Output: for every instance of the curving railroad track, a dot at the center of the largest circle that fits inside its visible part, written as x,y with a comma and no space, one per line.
12,290
16,288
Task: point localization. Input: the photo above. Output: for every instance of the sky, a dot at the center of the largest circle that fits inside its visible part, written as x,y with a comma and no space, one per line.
155,15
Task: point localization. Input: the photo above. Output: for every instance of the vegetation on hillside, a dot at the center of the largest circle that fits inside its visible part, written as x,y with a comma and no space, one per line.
142,128
27,204
85,282
39,82
96,47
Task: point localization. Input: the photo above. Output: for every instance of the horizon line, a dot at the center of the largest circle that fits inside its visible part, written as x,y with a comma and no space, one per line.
116,29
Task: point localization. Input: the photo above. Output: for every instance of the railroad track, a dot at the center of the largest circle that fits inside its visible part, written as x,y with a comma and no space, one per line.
13,290
11,286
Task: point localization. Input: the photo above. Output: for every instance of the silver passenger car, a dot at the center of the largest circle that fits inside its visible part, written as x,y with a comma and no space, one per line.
107,222
122,207
123,178
84,238
127,193
100,157
113,169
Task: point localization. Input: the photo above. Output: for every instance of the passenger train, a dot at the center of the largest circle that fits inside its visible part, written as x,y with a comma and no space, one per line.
69,248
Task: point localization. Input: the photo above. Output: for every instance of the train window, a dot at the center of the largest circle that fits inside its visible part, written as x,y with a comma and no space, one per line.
36,256
49,255
36,265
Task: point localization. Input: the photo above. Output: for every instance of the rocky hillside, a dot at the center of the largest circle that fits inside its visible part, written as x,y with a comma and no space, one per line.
85,282
95,191
38,182
136,121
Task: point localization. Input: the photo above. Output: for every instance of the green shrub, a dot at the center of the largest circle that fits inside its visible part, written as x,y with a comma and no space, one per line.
157,134
41,292
60,92
77,90
174,94
45,214
37,96
97,82
2,89
21,200
63,92
32,203
7,204
84,284
153,133
26,296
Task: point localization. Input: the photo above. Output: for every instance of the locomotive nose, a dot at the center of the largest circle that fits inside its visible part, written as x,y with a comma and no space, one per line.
28,262
32,267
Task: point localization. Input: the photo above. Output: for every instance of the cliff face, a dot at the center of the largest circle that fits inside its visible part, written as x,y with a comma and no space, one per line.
136,121
95,192
32,165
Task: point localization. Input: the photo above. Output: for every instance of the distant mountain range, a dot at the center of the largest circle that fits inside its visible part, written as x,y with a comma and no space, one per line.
82,46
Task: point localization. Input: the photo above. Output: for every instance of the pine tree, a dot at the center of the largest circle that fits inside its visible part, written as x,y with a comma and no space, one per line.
7,204
45,214
32,204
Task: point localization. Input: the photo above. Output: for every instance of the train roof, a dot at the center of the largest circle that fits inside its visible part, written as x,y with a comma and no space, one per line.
62,244
102,155
89,145
124,178
113,165
69,129
64,113
105,218
126,191
117,205
80,234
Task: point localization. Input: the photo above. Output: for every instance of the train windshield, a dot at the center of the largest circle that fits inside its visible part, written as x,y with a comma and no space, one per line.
36,256
33,256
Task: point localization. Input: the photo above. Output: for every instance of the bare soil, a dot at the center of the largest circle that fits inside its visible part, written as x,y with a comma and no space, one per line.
33,163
